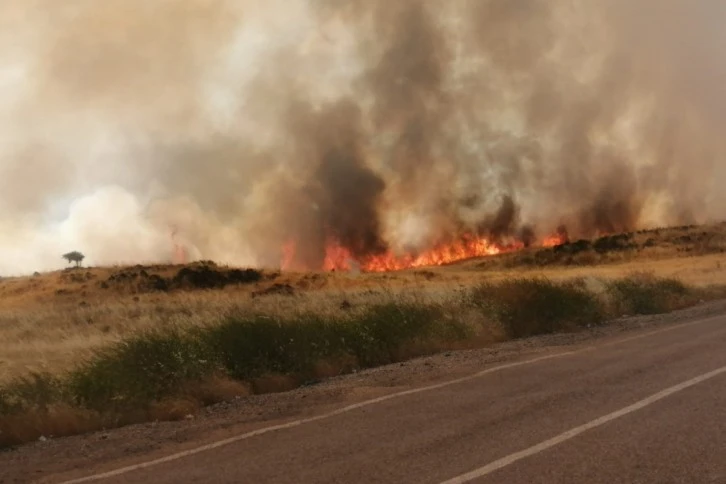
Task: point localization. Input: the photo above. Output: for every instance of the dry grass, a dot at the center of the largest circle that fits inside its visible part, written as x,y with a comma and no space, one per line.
205,353
63,334
50,322
57,421
700,271
56,336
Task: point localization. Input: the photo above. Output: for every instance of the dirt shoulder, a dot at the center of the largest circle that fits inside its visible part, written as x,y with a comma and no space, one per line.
111,449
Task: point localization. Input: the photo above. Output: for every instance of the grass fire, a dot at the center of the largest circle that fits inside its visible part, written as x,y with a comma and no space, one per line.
340,258
254,196
85,348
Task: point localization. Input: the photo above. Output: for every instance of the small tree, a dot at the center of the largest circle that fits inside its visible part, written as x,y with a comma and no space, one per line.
74,256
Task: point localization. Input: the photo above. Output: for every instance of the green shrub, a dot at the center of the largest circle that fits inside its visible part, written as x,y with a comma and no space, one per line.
140,370
646,294
377,335
36,391
251,346
527,307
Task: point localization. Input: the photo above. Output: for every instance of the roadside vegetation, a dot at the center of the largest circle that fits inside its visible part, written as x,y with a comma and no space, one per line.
170,373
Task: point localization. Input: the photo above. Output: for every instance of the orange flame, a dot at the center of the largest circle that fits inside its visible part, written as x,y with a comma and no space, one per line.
561,237
339,258
554,241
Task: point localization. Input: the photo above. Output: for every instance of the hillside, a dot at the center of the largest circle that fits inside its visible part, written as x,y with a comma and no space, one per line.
50,321
690,251
89,348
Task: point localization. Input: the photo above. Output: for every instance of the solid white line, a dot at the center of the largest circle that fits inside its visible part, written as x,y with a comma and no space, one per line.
349,408
572,433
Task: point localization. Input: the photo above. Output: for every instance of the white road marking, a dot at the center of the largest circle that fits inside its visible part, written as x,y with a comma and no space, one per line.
572,433
356,406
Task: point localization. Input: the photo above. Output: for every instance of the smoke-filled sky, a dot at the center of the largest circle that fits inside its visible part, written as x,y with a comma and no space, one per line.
385,125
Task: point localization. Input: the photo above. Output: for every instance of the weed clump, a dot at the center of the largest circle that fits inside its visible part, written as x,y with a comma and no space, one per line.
645,294
36,391
381,334
139,370
528,307
251,346
38,405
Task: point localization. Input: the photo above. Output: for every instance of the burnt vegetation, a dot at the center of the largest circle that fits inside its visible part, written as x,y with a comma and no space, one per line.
688,240
202,275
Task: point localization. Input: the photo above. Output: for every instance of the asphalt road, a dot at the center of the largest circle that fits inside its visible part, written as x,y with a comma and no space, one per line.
643,408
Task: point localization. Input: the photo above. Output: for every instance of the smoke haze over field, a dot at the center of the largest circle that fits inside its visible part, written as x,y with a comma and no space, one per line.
385,125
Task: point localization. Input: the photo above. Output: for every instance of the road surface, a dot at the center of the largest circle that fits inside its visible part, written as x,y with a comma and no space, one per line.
643,407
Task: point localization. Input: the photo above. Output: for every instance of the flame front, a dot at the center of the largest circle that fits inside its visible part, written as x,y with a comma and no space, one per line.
554,240
339,258
441,254
559,238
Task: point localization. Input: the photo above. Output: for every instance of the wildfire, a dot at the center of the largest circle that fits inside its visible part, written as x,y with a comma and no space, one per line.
554,241
339,258
561,237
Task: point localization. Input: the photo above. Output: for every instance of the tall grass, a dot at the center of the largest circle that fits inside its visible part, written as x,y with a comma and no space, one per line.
643,293
528,307
140,370
147,375
38,391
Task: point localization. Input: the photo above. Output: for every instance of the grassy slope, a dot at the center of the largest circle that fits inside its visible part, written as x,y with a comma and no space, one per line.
301,327
53,321
167,373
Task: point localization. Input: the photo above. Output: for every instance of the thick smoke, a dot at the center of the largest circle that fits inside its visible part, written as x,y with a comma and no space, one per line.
376,125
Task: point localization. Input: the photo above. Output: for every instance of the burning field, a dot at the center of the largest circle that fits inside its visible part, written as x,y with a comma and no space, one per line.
289,190
340,258
352,135
88,347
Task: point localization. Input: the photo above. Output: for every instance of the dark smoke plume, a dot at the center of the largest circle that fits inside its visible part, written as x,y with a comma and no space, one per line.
344,192
379,125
